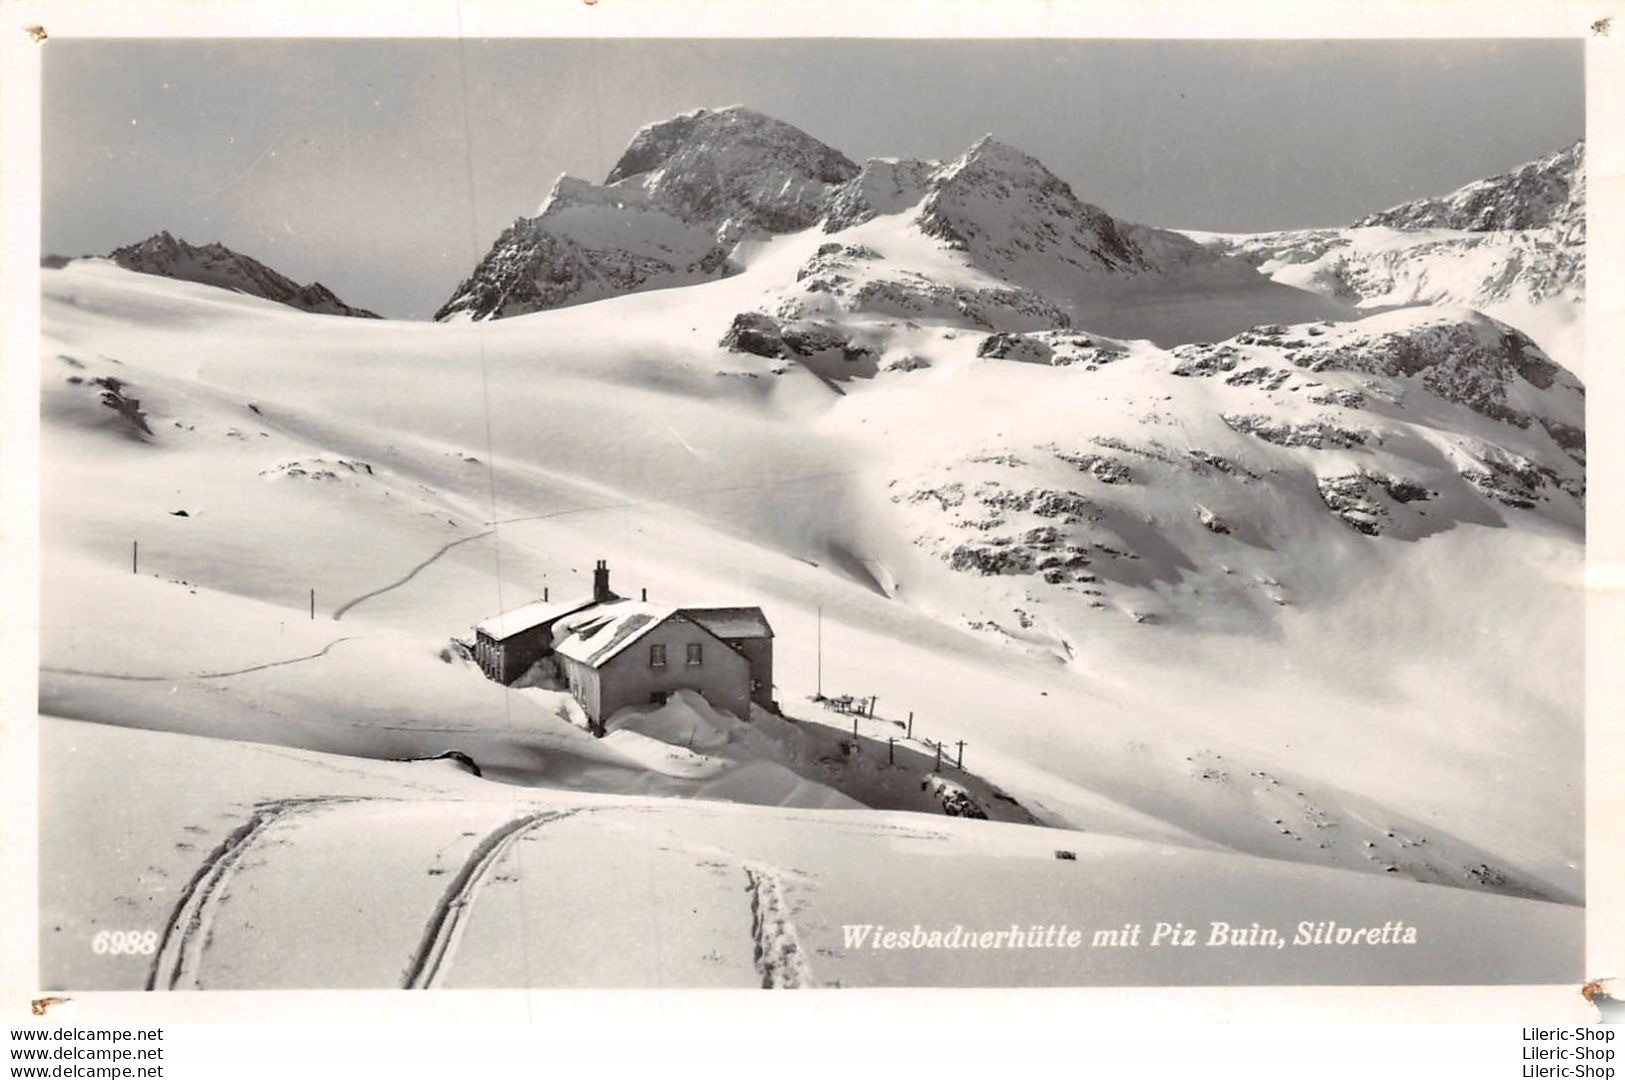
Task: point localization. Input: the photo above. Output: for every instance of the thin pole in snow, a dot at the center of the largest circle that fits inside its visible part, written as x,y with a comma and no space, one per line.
313,605
872,707
939,757
135,556
891,751
960,764
819,691
911,723
854,726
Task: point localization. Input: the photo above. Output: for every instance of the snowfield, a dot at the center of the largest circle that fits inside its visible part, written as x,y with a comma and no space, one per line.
268,868
1213,592
1530,278
1313,731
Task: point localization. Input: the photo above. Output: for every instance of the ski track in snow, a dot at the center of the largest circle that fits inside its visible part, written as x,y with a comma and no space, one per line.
325,649
444,931
185,938
779,957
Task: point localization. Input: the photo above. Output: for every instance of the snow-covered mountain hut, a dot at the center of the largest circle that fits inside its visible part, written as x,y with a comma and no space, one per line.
613,653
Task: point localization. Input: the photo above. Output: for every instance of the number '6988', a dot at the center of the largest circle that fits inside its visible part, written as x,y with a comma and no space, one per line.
124,942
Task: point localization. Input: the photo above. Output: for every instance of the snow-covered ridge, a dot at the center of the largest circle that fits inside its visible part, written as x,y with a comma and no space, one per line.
687,190
216,264
1512,245
1541,194
883,186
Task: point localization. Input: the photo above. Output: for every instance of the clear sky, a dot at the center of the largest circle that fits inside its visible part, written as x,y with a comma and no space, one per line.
385,169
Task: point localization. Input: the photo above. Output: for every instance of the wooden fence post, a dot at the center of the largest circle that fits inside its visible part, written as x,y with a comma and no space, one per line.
910,724
939,758
960,764
891,751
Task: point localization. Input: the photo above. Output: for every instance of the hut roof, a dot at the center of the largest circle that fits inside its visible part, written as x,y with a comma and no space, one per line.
730,623
601,632
528,617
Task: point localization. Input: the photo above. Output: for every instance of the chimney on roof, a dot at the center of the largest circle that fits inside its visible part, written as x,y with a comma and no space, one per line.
600,583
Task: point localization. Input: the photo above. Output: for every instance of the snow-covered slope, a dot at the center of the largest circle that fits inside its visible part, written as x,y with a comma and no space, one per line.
1512,245
1014,551
244,862
218,265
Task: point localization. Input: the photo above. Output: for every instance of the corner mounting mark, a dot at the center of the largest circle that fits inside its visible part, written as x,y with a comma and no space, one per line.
36,32
1603,995
1602,26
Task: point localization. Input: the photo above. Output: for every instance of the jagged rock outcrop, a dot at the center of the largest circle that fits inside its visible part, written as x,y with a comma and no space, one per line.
218,265
1461,356
763,335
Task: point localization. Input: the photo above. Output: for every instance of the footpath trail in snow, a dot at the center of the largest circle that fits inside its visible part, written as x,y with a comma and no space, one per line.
623,504
338,612
317,655
779,956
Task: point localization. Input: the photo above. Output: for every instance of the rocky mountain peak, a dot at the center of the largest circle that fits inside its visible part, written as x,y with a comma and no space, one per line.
216,264
1020,220
734,167
719,130
989,153
670,212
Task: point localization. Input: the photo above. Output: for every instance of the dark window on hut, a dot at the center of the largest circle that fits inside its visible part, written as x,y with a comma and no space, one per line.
657,656
693,654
